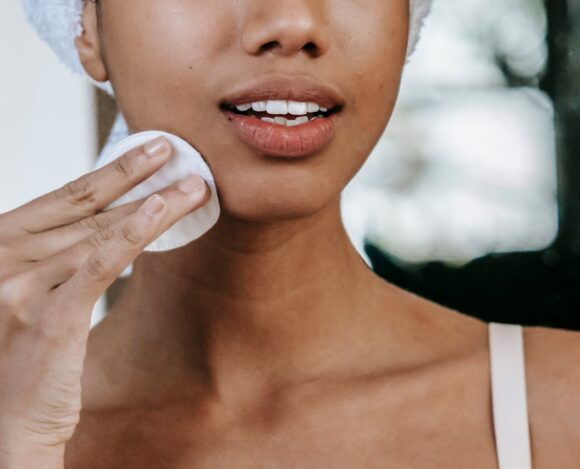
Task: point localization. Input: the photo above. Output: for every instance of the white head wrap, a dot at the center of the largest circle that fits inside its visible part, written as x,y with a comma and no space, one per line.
58,22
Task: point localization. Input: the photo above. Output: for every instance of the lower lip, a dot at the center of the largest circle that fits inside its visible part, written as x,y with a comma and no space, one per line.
281,141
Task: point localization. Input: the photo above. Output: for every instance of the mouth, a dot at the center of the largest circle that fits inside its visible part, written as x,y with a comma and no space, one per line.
285,116
281,112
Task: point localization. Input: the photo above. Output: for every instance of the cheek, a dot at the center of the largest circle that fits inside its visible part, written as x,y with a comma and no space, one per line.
375,52
160,56
372,52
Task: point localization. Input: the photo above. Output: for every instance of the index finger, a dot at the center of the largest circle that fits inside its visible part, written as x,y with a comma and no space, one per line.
92,192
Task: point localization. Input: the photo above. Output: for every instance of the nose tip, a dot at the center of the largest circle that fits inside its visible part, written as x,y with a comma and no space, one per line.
284,27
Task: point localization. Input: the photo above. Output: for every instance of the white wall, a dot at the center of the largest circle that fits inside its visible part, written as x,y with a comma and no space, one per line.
47,124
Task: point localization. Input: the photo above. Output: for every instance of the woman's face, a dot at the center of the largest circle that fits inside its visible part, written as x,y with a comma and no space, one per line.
173,63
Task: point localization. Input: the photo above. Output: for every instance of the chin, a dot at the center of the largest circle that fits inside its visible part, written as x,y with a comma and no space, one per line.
256,187
268,203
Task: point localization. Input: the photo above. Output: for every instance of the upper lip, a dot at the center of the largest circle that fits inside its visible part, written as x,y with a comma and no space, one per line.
299,88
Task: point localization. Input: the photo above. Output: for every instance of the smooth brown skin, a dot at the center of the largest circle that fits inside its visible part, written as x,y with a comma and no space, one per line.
268,343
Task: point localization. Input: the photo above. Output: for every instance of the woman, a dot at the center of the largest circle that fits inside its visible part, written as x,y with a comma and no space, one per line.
268,342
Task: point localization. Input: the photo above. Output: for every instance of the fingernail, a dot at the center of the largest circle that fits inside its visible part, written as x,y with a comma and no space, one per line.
153,204
191,184
157,147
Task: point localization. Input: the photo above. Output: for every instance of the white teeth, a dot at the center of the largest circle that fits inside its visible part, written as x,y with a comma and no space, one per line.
312,107
244,107
260,106
297,109
277,107
282,107
287,122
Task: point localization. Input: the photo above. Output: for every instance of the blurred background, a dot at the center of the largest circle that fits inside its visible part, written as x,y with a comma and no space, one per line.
472,196
47,117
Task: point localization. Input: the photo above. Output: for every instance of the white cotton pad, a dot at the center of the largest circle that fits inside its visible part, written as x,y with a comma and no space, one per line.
184,161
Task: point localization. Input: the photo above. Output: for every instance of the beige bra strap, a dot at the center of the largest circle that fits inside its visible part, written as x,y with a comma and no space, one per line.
509,399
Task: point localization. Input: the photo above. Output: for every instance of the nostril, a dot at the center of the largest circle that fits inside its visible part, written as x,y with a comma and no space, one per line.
270,46
310,48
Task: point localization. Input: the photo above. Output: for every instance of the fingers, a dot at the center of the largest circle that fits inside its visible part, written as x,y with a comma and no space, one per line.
100,259
46,244
92,192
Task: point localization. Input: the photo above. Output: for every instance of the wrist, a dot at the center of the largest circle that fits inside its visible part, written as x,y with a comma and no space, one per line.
46,457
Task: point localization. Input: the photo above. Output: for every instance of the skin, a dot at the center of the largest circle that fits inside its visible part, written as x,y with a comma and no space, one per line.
269,342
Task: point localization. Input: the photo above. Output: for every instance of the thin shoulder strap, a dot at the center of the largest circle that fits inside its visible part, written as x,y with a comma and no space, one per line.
508,385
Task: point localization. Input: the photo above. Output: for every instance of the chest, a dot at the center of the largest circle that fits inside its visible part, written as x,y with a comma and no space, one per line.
352,429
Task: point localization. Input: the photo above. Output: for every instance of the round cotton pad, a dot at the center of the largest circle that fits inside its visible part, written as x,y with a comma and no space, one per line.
185,160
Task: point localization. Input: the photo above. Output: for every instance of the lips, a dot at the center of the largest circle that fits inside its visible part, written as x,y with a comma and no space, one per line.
292,88
278,140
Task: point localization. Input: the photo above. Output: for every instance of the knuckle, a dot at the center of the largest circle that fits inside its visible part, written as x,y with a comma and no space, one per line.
78,192
94,223
124,167
15,292
130,234
104,235
21,319
98,267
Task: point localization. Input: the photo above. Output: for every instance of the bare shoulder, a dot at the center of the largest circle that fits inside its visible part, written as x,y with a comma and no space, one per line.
553,386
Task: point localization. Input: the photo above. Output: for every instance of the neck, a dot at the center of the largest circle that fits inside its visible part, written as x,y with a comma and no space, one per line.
251,307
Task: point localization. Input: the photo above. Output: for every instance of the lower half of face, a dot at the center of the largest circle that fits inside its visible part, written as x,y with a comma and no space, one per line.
174,64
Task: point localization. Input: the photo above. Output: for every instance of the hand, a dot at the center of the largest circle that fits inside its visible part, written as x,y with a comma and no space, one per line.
58,255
